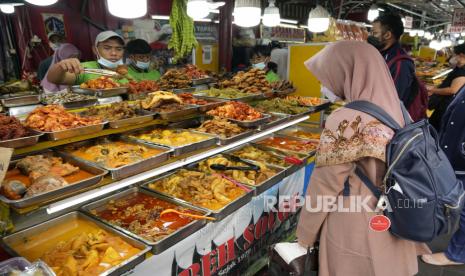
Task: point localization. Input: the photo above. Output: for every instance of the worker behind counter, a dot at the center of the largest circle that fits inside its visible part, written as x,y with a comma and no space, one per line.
109,50
272,72
139,59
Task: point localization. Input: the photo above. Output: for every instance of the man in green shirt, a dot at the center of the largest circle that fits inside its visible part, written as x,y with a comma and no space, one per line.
272,72
139,56
109,50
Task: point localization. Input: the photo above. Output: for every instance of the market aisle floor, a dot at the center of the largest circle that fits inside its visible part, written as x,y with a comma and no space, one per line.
429,270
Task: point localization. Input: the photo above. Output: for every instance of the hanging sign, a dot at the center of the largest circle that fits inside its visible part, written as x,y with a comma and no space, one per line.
284,34
458,21
54,23
408,23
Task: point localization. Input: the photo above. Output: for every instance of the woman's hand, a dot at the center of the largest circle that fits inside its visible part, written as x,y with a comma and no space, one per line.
71,65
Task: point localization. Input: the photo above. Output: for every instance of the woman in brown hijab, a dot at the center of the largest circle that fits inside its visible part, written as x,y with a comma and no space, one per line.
354,71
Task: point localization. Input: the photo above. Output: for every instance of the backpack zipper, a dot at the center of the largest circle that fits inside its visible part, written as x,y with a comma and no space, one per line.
398,157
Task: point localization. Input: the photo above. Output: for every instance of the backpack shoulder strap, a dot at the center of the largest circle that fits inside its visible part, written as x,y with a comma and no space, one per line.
399,58
375,111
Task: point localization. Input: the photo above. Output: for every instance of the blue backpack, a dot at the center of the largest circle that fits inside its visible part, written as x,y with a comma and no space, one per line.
420,185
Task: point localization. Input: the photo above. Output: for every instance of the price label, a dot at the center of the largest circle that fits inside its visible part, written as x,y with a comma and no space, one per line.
5,157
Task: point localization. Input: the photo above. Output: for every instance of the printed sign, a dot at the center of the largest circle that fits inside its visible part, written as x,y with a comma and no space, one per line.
283,34
54,22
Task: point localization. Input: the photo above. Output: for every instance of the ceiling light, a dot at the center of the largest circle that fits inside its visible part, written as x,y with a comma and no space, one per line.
289,26
461,41
446,43
420,33
435,44
318,20
6,8
457,35
271,15
198,9
161,17
290,21
247,13
373,13
42,2
127,9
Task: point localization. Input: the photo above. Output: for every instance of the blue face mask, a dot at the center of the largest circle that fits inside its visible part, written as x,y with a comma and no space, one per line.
142,65
108,63
260,65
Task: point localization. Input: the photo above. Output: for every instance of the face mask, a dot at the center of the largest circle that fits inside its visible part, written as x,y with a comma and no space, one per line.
142,65
108,63
453,61
329,94
376,42
260,65
54,46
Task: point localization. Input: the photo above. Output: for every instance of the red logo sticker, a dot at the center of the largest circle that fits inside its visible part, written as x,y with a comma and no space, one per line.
380,223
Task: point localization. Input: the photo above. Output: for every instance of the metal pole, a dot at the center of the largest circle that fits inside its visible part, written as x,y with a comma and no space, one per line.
225,33
339,13
412,12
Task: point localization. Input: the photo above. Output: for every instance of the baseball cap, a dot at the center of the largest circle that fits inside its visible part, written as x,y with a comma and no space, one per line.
107,35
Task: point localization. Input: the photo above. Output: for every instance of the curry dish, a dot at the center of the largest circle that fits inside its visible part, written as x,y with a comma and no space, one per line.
291,144
140,214
256,154
113,154
173,138
305,135
77,247
198,188
254,178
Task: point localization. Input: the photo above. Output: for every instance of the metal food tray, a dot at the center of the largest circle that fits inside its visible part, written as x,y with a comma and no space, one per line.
130,169
73,132
226,141
252,123
263,186
202,81
183,90
143,116
217,214
248,98
180,150
137,96
170,116
76,104
29,201
288,132
101,93
157,246
290,169
21,142
279,118
256,143
212,104
119,269
21,101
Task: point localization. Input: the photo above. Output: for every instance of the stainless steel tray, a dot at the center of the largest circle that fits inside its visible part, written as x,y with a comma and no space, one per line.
183,90
241,99
173,116
202,81
179,150
265,185
101,93
212,104
77,104
217,214
226,141
274,120
289,169
163,244
21,236
73,132
309,154
37,199
138,96
143,117
252,123
130,169
21,101
23,141
288,132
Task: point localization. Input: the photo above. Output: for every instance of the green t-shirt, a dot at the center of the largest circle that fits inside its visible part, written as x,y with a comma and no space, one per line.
138,75
81,78
272,77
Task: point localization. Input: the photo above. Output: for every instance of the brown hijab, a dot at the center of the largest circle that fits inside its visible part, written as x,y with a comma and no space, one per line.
355,70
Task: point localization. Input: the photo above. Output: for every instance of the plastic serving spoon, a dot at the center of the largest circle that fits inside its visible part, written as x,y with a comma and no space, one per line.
166,211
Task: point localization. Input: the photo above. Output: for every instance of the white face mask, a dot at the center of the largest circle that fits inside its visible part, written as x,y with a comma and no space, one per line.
142,65
108,63
260,65
54,46
329,94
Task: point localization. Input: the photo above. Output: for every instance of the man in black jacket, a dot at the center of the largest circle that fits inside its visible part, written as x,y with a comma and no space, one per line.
386,33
